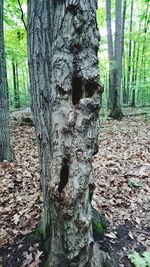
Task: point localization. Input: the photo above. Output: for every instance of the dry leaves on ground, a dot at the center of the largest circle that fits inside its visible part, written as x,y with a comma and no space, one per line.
122,173
122,176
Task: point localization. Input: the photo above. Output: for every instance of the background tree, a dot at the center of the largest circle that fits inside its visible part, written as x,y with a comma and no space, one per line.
5,149
115,51
134,89
63,45
16,53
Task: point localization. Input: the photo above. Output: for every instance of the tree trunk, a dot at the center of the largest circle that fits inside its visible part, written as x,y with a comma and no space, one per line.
123,26
17,83
116,112
64,76
5,150
129,55
16,89
133,81
146,23
115,60
122,50
110,54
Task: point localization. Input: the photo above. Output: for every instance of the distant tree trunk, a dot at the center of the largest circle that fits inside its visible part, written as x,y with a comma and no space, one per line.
133,81
16,89
17,83
64,75
25,86
124,80
115,59
123,26
122,52
129,55
146,23
5,149
110,54
116,112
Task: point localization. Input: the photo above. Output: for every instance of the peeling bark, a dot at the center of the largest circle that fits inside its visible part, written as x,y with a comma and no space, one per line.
63,44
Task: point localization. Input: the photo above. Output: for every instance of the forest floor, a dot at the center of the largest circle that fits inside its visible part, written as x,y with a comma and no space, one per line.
122,193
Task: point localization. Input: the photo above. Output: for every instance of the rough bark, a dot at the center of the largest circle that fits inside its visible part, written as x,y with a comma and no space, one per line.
5,150
63,44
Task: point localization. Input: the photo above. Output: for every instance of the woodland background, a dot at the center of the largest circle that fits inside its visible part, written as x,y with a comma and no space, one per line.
121,167
135,83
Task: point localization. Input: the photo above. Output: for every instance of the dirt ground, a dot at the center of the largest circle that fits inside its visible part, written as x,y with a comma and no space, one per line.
122,176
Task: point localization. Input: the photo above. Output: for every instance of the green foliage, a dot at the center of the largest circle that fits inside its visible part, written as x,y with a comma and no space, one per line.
140,261
139,65
16,50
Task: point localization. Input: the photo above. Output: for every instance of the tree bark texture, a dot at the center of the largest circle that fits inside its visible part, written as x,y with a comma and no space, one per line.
5,150
63,44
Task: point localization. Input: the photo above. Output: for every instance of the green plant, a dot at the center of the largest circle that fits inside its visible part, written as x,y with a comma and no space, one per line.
99,224
140,261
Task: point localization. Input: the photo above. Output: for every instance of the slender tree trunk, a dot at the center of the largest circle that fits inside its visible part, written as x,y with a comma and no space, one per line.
124,80
133,81
129,54
63,45
116,112
123,25
16,92
17,83
146,23
25,87
110,54
122,50
5,149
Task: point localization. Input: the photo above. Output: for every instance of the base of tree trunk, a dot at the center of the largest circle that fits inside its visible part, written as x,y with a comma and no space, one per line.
99,258
116,114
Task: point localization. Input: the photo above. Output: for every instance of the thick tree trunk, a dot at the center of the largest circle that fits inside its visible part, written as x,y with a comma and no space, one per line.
63,44
5,150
